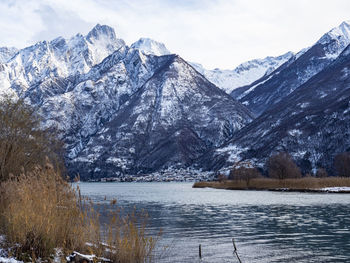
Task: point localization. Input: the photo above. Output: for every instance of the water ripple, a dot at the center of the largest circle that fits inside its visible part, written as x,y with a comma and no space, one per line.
267,226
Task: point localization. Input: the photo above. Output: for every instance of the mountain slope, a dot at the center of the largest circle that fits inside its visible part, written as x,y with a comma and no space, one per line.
171,120
268,91
6,53
312,123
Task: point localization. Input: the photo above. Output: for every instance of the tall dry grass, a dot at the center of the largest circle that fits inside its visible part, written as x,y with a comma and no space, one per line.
127,239
39,212
304,183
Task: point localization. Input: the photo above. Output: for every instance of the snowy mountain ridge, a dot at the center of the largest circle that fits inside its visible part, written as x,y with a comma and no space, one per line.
244,74
272,88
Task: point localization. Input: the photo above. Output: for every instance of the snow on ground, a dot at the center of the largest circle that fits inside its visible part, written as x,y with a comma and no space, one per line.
336,189
9,260
3,254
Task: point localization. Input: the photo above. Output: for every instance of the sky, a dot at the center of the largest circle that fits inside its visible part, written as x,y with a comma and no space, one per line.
215,33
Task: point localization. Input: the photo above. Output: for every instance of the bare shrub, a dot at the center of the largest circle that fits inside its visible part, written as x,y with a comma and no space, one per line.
282,166
321,173
245,172
23,144
342,164
221,177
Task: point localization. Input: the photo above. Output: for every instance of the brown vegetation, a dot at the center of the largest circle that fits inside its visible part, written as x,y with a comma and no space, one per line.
41,212
342,164
244,172
281,166
23,144
321,173
268,183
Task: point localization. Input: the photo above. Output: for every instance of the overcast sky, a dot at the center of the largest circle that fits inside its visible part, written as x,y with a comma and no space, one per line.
215,33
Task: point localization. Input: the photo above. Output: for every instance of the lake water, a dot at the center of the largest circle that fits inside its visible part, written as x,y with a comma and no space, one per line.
267,226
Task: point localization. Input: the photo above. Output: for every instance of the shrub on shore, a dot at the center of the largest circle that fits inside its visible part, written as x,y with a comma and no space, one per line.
342,164
244,172
321,173
281,166
23,142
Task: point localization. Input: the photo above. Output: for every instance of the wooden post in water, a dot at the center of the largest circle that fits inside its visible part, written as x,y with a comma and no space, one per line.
200,251
235,250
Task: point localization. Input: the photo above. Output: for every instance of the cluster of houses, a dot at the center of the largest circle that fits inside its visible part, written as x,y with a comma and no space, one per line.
169,175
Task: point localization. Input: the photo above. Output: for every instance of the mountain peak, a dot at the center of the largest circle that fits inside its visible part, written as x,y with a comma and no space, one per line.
101,30
151,47
341,32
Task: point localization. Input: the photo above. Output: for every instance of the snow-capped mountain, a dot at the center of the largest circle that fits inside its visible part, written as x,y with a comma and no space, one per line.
272,88
312,123
52,63
6,53
120,109
245,74
151,47
172,119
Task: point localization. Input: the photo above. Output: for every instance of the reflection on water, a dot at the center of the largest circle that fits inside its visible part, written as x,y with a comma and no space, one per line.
267,226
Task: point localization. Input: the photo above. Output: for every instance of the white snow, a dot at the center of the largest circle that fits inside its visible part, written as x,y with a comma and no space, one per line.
9,260
3,254
234,152
342,31
336,189
304,105
151,47
253,87
245,74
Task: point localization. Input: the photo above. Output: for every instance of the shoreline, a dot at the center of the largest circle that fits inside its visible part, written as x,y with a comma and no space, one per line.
302,185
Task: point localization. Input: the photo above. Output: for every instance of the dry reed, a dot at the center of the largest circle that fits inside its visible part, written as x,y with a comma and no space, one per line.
268,183
41,212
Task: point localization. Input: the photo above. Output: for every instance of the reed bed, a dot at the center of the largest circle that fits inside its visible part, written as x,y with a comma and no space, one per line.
304,183
40,212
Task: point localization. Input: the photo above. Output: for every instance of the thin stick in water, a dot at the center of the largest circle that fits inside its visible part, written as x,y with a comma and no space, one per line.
235,250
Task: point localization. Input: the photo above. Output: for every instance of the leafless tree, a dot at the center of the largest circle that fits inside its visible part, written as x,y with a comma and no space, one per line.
342,164
282,166
244,171
23,143
321,173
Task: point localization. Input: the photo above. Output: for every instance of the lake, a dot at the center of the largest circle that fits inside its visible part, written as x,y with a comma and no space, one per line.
267,226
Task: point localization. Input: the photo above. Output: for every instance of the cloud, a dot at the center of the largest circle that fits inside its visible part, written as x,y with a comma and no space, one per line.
216,33
58,22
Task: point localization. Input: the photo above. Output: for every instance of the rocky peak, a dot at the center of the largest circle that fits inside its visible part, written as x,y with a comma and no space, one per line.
101,31
151,47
